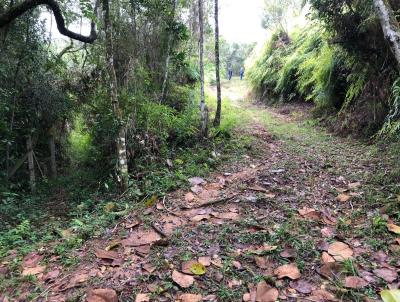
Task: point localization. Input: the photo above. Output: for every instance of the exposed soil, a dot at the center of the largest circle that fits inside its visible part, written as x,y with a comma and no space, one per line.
294,220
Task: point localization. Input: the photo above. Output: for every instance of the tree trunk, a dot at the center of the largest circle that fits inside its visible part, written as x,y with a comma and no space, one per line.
390,26
52,146
31,164
168,58
203,106
122,164
217,120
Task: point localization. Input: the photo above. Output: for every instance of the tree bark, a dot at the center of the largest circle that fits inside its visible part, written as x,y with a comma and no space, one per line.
217,120
168,58
390,26
203,106
122,164
52,146
19,9
31,164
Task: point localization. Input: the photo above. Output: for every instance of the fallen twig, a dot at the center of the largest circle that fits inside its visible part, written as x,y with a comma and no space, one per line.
215,201
158,230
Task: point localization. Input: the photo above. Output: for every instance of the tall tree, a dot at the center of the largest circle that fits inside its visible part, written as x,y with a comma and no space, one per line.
168,57
122,162
203,106
390,26
217,120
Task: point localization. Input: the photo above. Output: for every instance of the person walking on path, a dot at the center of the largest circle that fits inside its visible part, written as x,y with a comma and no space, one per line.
241,73
230,73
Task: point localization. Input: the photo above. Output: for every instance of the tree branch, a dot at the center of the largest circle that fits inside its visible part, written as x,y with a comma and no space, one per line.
17,10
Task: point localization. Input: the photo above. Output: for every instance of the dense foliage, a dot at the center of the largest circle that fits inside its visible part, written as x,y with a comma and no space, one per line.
340,61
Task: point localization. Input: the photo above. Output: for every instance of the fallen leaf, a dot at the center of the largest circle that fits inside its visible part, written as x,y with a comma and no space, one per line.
340,251
355,282
140,238
31,260
237,265
199,218
310,213
206,261
142,298
322,295
393,228
182,280
235,283
198,269
190,298
50,276
326,258
109,207
391,295
67,234
102,295
186,265
113,245
150,202
288,270
343,197
148,268
189,197
196,181
302,286
132,224
259,250
266,293
327,232
227,215
288,252
261,262
331,270
386,274
109,255
32,271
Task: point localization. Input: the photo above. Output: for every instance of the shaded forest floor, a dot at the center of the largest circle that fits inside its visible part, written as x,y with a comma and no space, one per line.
303,216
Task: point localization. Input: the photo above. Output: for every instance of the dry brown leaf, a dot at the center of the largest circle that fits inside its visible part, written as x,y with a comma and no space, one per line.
340,251
183,280
196,181
148,268
386,274
50,276
140,238
227,215
206,261
217,262
261,249
199,218
322,295
343,197
31,260
355,282
302,286
310,213
102,295
354,185
33,270
261,262
235,283
186,266
190,298
237,265
393,228
266,293
288,270
326,258
327,232
288,252
331,270
106,255
189,197
142,298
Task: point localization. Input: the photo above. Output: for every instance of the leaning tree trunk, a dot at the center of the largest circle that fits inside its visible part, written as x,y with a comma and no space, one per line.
217,120
31,164
168,58
203,106
390,26
122,164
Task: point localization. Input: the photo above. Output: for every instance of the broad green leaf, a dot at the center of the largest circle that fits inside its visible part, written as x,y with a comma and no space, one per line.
198,269
391,295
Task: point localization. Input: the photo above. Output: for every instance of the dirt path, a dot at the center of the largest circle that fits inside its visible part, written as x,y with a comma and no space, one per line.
302,217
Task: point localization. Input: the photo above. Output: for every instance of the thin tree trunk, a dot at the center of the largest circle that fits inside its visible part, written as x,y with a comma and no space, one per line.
217,120
122,165
203,106
168,58
390,26
52,146
31,164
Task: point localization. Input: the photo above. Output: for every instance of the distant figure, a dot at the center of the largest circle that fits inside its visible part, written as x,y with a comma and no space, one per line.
241,73
230,73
